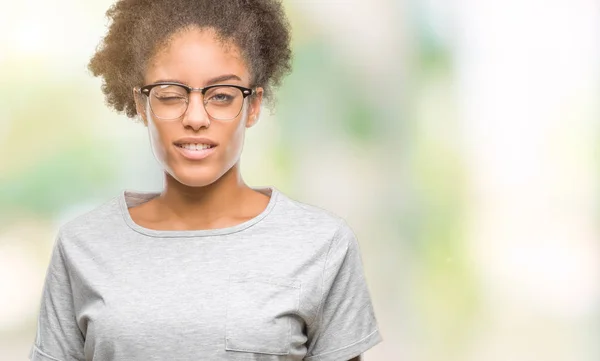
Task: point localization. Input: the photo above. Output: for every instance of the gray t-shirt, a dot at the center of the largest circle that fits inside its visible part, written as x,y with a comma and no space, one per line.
285,285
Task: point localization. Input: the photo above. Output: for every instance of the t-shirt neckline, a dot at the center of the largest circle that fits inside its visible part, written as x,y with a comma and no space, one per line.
129,198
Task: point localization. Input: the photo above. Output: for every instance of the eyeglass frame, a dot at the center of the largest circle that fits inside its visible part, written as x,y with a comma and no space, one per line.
246,92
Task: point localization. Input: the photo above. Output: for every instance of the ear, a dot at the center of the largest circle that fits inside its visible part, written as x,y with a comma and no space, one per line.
140,104
254,107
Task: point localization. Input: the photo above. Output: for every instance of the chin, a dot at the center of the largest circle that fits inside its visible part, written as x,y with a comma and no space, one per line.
201,177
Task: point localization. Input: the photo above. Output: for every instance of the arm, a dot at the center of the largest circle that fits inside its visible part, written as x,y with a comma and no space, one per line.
345,325
58,336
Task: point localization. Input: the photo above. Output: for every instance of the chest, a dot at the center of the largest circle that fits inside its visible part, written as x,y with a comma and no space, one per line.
202,303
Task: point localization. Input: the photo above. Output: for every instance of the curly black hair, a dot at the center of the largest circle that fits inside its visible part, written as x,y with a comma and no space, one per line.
140,28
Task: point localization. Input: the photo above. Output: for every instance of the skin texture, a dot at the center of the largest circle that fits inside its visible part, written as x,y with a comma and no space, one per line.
213,186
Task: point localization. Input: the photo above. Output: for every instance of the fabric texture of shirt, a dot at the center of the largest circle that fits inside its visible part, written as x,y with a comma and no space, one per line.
287,284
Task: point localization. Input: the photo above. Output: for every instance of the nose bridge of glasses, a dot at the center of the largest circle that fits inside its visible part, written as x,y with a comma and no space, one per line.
201,104
202,92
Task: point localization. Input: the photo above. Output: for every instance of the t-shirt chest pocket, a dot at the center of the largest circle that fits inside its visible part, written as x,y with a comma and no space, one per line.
259,312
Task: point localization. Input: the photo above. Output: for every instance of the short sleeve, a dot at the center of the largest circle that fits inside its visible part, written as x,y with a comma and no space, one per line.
58,337
346,325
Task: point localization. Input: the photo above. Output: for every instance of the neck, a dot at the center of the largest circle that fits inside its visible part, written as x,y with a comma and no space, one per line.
207,206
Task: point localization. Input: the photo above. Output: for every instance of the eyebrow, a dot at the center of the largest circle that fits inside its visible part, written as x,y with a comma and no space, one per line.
216,80
223,78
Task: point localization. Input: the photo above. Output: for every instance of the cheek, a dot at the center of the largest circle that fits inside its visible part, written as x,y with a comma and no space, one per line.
158,135
235,141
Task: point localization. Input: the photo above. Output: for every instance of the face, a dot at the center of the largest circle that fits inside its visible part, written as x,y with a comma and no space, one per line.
198,59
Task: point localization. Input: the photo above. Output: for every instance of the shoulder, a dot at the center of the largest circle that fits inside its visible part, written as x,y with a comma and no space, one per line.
310,219
99,219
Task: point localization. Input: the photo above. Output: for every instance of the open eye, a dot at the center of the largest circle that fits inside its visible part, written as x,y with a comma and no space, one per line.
221,98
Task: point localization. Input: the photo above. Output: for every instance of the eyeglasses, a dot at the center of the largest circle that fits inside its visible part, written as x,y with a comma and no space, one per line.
170,101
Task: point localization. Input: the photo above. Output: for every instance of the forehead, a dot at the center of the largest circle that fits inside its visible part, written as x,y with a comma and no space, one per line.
194,56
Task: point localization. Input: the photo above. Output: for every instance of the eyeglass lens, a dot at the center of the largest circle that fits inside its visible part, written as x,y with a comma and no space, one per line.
171,101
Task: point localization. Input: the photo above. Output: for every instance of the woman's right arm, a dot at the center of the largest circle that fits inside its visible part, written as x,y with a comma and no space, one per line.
58,337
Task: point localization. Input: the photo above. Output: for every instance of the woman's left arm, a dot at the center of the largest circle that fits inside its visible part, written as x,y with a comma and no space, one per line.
345,325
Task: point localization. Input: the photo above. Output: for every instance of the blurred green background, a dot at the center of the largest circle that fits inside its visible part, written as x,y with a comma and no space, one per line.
459,140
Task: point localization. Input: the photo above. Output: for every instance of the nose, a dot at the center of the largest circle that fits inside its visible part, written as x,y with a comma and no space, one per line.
196,117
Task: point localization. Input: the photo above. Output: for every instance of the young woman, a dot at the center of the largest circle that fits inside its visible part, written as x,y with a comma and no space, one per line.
209,268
